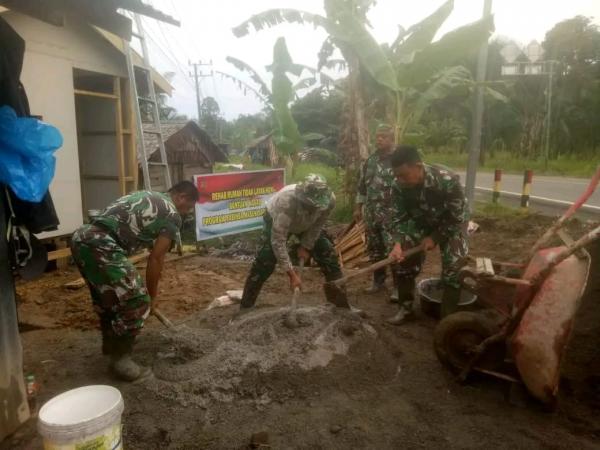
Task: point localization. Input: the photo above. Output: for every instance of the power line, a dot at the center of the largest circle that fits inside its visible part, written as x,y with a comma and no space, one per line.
172,58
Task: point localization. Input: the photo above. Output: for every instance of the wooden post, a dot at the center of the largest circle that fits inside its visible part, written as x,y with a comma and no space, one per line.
119,134
527,179
497,184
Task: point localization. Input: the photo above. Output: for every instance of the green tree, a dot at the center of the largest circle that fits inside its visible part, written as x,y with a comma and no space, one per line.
575,46
277,99
319,112
210,118
405,77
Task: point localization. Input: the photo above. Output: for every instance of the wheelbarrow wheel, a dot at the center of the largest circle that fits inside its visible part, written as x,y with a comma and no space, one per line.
458,334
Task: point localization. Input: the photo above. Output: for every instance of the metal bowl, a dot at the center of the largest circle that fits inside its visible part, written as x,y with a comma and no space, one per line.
430,292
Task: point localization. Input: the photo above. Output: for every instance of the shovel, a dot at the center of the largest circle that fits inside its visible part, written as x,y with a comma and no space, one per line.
290,319
164,319
337,285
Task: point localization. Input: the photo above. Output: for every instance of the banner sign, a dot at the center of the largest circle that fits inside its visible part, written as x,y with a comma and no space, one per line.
234,202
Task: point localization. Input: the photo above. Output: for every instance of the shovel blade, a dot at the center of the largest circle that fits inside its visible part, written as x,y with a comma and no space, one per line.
336,295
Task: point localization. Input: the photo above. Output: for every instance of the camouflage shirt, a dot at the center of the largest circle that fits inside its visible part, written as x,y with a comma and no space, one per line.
375,184
291,216
438,208
137,219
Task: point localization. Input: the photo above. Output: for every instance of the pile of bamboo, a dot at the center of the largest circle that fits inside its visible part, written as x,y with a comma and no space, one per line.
351,246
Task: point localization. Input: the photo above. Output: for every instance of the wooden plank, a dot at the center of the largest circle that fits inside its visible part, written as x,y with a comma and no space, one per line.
95,94
131,125
60,253
100,177
119,135
99,133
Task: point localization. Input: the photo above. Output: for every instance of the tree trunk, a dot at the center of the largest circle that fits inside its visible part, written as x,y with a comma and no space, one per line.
354,136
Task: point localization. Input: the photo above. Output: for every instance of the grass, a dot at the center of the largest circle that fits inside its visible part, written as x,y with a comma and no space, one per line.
498,211
564,166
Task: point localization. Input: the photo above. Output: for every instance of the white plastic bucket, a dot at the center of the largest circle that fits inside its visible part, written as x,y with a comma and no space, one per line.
86,418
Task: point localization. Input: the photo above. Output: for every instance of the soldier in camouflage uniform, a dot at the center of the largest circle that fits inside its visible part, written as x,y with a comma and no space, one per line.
301,210
429,208
373,202
100,249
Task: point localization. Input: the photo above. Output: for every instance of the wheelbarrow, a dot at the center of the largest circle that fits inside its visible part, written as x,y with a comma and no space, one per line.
522,332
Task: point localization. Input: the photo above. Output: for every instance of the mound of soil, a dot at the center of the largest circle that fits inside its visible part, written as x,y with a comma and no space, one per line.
243,360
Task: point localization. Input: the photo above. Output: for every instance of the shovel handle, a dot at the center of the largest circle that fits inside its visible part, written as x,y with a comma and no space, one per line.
164,319
378,265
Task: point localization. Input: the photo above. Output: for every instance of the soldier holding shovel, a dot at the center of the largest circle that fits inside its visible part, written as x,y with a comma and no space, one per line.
428,209
298,209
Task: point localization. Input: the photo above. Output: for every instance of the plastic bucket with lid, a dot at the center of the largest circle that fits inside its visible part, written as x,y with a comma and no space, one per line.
85,418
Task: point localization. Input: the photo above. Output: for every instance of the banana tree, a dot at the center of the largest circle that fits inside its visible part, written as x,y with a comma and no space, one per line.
277,98
346,25
409,74
428,71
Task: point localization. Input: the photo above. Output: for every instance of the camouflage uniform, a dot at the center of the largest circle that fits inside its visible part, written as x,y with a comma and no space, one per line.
100,250
375,193
436,209
288,214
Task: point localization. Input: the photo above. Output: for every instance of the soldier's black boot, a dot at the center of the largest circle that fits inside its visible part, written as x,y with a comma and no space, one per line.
252,288
406,293
108,335
450,300
108,342
122,363
378,282
394,294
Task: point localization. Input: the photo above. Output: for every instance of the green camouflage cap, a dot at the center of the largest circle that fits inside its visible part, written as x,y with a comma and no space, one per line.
314,191
384,128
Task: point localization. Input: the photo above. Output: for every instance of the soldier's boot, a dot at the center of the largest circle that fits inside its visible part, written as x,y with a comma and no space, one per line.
378,282
252,288
394,296
450,300
122,363
108,342
406,292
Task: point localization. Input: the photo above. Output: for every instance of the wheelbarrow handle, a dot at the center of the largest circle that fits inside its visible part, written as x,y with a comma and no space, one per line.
567,215
378,265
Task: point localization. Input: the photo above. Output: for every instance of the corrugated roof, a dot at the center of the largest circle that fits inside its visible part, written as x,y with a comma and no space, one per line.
185,142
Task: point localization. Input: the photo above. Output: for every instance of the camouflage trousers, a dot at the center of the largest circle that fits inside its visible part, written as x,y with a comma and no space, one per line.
118,292
265,261
453,250
376,245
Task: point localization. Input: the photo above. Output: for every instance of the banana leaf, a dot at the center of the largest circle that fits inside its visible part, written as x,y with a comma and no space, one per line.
420,34
245,87
243,67
450,50
272,17
286,136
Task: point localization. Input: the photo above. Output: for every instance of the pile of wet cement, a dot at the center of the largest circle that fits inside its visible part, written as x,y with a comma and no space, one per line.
198,366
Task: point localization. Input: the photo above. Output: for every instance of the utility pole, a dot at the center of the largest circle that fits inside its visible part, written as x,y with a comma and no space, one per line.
198,75
476,124
548,113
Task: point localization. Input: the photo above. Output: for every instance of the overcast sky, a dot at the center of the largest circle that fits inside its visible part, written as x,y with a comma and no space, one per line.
205,35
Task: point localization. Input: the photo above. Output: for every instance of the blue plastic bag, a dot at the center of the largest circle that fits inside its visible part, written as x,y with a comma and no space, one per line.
27,159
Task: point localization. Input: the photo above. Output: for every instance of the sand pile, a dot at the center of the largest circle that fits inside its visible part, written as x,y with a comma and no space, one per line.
238,361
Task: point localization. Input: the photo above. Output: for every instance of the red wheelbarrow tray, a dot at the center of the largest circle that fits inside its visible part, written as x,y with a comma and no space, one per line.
540,312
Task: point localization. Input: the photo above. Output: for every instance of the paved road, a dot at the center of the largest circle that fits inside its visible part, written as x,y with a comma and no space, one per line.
543,188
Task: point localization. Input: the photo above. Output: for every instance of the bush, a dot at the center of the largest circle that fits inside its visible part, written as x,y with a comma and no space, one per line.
510,163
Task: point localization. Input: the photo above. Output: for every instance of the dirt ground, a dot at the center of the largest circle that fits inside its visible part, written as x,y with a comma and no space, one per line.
340,381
